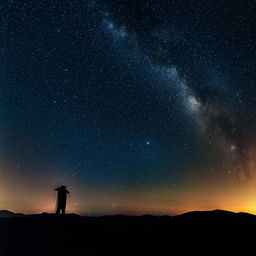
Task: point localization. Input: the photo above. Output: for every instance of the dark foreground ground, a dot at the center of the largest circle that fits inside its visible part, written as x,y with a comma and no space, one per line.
196,232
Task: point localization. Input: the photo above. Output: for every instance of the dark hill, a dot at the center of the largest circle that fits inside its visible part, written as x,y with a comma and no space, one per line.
48,234
9,214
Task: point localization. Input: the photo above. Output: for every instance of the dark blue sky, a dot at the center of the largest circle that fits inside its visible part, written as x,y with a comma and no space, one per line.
125,95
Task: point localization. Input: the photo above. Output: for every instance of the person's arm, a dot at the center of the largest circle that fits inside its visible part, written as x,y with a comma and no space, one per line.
56,189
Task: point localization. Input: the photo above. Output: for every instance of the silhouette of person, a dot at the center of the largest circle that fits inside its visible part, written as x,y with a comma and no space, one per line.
61,199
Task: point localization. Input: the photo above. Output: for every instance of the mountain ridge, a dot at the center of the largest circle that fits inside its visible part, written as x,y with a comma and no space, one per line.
215,212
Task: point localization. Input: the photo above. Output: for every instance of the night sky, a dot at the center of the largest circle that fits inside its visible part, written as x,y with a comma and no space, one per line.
139,107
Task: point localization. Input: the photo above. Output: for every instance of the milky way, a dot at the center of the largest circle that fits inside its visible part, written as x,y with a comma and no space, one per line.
172,56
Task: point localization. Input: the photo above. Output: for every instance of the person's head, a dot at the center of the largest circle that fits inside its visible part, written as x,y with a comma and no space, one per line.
62,186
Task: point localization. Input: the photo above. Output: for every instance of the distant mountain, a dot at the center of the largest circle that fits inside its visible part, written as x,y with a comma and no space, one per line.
214,214
9,214
188,215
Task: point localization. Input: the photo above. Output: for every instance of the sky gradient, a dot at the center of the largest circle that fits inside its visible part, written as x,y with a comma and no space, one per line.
139,107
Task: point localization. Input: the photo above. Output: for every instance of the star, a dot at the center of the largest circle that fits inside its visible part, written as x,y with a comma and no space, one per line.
134,94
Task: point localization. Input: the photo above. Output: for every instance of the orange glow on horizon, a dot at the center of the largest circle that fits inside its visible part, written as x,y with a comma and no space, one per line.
197,193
